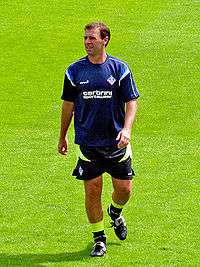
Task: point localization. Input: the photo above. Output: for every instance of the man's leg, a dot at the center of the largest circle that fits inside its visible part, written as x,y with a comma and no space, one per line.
93,190
122,191
120,196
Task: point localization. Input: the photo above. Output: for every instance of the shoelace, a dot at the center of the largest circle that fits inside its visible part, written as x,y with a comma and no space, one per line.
99,246
119,223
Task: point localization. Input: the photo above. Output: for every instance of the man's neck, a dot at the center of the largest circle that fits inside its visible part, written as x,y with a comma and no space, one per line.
98,59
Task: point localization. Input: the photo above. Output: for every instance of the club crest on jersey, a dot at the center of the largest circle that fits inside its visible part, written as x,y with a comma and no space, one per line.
111,80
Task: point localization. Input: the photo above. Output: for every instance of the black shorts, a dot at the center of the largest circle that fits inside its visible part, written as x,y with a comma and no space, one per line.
94,161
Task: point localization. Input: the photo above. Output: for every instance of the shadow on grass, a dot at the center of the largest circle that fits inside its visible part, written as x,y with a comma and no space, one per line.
38,260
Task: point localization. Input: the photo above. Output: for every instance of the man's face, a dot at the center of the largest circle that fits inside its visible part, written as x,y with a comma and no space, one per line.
94,45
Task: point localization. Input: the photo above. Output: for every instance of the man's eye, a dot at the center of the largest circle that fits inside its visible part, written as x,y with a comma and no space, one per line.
89,37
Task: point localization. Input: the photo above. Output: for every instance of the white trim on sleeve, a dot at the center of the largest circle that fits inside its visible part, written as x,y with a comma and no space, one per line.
69,78
124,75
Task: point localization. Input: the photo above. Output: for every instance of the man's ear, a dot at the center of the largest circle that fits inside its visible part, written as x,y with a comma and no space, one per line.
105,40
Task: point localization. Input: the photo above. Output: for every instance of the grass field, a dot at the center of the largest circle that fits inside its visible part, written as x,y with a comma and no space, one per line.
42,217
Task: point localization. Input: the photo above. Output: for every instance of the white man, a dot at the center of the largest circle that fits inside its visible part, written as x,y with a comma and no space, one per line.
100,93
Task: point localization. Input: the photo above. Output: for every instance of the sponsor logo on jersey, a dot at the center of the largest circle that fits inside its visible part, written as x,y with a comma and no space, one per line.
97,94
111,80
86,82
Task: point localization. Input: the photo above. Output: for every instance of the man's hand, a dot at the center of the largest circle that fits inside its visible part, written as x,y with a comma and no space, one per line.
123,137
66,116
63,146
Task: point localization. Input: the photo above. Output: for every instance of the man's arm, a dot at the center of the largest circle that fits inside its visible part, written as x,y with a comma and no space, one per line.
66,116
124,135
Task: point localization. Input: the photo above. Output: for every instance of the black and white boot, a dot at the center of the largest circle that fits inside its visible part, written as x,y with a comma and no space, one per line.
118,223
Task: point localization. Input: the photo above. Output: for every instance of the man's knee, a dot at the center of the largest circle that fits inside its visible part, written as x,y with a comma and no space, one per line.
123,187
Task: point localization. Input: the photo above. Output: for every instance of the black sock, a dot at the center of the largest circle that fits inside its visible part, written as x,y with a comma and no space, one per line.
99,236
114,212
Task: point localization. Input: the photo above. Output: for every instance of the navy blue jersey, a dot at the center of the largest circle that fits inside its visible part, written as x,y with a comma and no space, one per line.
99,93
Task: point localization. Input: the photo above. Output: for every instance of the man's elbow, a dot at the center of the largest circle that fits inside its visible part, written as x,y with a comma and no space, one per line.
133,103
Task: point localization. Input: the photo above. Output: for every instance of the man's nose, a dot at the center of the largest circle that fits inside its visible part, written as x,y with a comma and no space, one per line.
87,40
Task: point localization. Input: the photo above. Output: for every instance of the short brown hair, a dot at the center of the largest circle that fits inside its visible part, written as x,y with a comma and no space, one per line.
104,30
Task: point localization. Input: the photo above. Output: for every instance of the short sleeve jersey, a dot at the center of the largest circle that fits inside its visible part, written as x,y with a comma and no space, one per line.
99,93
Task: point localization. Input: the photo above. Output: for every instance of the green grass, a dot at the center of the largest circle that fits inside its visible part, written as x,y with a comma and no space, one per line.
42,217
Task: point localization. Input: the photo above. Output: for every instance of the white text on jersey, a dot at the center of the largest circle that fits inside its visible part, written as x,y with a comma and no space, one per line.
84,82
97,94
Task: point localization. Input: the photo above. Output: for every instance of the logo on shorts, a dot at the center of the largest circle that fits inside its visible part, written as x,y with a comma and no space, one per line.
111,80
80,170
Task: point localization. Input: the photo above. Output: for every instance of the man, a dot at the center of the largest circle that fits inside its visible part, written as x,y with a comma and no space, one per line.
100,92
